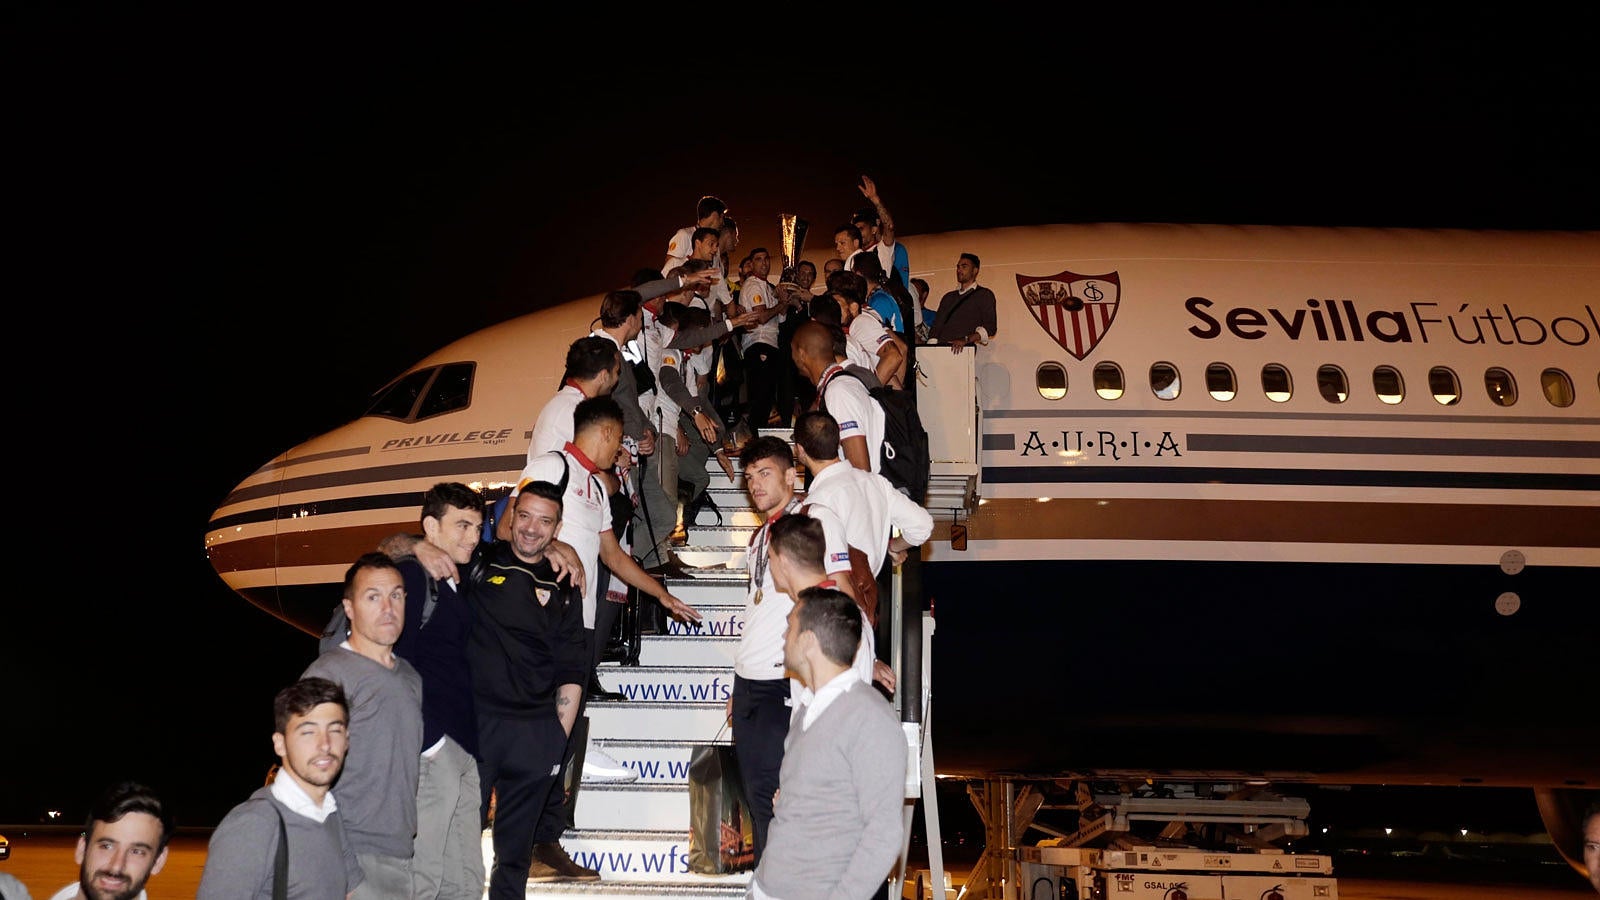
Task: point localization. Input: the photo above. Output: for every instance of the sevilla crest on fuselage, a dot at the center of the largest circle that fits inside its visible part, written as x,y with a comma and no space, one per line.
1075,310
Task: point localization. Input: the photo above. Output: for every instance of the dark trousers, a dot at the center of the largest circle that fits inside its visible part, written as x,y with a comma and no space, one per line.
761,371
516,759
760,724
563,800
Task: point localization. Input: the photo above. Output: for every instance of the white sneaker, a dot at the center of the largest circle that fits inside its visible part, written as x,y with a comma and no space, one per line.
600,768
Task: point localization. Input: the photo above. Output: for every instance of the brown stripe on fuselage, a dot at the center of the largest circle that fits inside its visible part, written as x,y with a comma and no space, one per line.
327,547
1285,521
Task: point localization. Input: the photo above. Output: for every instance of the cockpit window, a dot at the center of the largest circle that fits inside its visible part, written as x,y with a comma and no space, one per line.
426,393
1051,379
401,397
451,391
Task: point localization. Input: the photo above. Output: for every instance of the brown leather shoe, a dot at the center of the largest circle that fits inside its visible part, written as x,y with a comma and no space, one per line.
553,856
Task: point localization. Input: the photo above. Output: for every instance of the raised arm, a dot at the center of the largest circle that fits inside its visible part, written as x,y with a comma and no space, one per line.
885,223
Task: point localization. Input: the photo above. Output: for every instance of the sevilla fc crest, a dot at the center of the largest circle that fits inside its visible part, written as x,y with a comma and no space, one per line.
1076,310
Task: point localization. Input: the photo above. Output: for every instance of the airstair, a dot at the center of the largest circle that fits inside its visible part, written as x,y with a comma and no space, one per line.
637,835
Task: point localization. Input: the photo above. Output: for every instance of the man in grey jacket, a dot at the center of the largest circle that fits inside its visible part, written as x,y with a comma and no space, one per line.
836,827
310,735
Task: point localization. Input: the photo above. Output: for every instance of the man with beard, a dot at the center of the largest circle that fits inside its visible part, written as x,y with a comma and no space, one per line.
310,736
123,844
529,663
378,790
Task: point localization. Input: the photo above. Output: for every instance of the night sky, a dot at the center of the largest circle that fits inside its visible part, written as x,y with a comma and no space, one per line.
228,232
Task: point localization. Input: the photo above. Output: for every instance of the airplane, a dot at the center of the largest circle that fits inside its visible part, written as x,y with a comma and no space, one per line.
1292,504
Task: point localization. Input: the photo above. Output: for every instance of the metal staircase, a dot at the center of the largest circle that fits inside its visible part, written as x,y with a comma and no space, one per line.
637,835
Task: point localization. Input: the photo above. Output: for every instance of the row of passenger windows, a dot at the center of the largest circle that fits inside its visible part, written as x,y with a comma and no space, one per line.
1278,385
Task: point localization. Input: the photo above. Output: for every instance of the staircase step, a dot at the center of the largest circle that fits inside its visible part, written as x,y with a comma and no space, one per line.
657,762
728,557
720,536
714,586
633,807
669,684
687,650
681,721
705,886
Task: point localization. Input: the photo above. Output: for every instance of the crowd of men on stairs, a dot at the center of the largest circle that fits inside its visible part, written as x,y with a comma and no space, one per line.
449,692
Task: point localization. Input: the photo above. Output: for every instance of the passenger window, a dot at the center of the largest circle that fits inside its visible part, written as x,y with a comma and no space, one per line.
1388,384
451,391
1108,381
1444,385
1276,382
398,400
1557,387
1051,379
1332,384
1164,381
1219,381
1501,386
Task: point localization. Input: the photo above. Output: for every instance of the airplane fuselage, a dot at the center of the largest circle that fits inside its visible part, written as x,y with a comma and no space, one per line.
1312,503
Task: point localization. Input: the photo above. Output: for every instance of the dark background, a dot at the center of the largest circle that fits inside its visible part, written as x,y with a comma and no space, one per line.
227,231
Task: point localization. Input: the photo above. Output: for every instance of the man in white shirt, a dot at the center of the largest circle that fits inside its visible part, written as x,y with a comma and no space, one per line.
842,394
759,346
759,703
710,212
878,520
123,843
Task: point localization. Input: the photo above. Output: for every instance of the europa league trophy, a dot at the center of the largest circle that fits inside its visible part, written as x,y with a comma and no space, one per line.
792,234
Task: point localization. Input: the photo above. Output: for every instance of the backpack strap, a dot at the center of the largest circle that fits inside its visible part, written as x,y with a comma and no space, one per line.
431,601
280,865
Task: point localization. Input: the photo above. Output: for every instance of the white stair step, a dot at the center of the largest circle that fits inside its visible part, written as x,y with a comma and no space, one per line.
740,514
716,620
632,864
724,587
728,557
633,807
687,650
682,721
707,886
657,762
630,856
669,684
721,536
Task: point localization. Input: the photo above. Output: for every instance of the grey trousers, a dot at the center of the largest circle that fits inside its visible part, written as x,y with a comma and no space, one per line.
448,859
657,512
386,877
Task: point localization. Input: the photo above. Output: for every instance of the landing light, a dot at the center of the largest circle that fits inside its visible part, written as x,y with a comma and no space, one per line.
1463,832
1324,829
1388,831
1042,499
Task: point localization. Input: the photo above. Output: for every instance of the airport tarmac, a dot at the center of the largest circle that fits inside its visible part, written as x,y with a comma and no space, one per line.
44,862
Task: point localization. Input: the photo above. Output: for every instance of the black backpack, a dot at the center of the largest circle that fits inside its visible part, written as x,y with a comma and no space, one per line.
903,459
